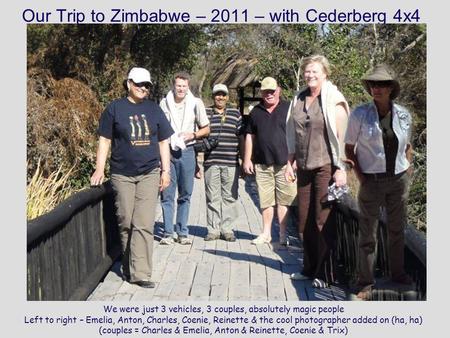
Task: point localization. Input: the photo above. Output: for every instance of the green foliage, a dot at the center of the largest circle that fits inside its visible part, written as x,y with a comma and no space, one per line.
342,46
283,53
417,206
166,49
75,70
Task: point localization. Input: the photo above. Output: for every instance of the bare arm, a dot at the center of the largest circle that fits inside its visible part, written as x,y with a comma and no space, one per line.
409,157
102,153
202,132
248,165
351,156
164,152
289,173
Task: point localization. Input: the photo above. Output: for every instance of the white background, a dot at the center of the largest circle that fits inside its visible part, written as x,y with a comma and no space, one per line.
13,153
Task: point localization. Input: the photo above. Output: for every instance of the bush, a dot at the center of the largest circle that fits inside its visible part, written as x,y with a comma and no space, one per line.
62,118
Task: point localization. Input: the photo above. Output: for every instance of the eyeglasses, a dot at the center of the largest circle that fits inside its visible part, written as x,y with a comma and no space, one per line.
380,84
147,85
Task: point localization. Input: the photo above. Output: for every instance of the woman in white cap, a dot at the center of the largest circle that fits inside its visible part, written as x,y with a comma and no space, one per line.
138,132
315,134
378,142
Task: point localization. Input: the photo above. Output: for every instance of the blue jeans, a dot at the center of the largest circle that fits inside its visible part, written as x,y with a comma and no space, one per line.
182,170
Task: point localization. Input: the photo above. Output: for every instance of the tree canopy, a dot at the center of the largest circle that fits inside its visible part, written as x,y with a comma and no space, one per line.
75,70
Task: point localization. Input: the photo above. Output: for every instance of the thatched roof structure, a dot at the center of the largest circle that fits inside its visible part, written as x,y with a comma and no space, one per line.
236,73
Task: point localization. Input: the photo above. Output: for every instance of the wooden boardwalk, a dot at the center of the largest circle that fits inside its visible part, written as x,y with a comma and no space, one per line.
219,270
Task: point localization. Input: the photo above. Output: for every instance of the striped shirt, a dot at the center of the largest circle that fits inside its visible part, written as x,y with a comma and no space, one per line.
226,152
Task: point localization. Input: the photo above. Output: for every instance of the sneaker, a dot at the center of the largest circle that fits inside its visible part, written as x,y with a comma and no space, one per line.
298,276
184,240
283,240
229,237
261,239
144,284
211,237
319,283
167,241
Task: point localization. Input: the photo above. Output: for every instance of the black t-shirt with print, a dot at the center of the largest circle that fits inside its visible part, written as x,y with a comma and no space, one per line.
134,131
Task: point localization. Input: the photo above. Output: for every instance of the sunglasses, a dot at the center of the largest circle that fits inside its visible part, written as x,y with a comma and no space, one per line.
220,94
147,85
380,84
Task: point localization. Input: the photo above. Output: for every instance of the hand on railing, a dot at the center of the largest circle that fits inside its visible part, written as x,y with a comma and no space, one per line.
97,177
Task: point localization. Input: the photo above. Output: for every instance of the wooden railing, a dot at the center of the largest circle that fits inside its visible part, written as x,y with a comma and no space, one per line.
71,248
415,253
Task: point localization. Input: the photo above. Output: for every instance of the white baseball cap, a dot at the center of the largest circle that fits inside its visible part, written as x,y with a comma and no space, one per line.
220,87
138,75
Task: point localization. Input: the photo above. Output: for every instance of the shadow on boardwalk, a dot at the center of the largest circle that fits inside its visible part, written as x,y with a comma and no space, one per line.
219,270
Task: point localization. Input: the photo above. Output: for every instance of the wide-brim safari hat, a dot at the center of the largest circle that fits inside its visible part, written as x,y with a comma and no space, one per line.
380,73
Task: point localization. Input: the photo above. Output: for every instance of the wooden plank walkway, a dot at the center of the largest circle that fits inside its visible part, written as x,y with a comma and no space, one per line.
219,270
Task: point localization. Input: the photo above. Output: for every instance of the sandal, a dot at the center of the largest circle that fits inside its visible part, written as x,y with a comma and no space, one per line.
261,239
319,283
298,276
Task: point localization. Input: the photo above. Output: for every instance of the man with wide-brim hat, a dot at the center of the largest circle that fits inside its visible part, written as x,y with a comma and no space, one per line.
378,141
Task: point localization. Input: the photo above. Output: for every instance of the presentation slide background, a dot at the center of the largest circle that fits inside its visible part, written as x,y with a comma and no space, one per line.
13,249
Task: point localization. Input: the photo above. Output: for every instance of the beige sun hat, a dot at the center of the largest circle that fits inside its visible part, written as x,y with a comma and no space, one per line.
269,83
380,73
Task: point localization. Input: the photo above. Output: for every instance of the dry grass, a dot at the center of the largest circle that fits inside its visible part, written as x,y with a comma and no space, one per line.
44,194
62,117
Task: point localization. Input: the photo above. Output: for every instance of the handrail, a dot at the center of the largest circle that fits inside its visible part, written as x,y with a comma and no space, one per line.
73,246
64,211
415,247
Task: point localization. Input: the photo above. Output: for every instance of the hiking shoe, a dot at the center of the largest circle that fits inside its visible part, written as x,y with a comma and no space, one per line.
211,237
261,239
298,276
184,240
319,283
167,241
229,237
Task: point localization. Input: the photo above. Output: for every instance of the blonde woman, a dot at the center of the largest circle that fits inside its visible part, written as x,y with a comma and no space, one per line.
315,131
